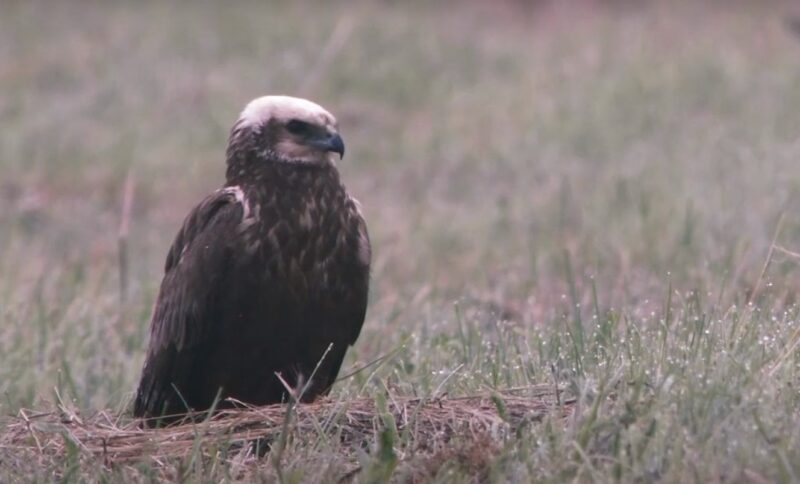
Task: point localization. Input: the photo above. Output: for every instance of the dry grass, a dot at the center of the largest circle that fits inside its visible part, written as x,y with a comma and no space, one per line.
242,434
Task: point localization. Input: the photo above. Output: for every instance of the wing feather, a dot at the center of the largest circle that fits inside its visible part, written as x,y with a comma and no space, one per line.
195,264
360,283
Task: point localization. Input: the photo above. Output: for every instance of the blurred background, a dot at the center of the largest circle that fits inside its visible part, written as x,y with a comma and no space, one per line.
510,157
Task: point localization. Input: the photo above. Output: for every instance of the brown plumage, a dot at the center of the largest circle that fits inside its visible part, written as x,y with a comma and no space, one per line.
266,273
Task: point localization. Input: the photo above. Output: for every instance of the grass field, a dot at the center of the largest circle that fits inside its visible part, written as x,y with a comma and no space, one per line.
605,198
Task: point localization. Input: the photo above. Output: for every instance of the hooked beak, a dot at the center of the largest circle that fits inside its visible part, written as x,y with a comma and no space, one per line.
332,142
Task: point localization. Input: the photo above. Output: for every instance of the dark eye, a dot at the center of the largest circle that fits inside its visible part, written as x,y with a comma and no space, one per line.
298,127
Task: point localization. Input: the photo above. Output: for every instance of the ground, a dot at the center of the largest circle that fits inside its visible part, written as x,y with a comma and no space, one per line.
602,196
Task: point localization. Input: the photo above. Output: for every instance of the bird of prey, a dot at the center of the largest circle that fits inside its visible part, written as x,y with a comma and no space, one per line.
267,276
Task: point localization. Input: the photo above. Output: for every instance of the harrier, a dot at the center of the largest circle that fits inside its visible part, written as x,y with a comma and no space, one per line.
267,277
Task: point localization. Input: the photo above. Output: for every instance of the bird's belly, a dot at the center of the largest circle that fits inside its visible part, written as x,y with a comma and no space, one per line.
277,319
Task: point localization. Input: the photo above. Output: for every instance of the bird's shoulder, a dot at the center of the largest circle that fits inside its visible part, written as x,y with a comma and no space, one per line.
223,209
359,227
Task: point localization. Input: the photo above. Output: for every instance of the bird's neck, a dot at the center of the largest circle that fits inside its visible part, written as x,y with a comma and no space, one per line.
282,177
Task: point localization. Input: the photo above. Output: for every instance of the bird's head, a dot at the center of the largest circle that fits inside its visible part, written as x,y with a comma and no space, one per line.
285,129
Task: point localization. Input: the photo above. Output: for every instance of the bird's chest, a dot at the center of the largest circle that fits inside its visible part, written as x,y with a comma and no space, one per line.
302,253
